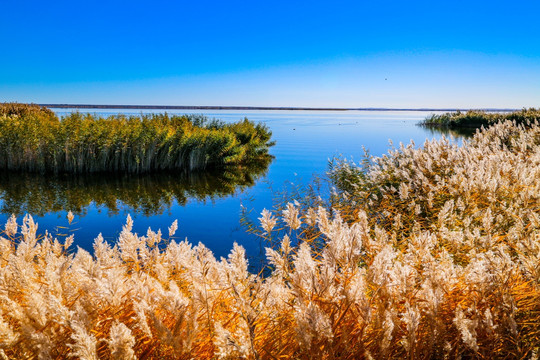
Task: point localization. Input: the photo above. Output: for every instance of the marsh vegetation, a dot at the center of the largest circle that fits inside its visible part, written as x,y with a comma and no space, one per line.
422,253
34,139
476,119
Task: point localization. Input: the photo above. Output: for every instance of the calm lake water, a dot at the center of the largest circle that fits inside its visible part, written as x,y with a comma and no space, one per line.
207,206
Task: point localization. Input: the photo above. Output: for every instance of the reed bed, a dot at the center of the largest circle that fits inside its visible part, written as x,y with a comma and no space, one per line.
477,119
34,139
428,253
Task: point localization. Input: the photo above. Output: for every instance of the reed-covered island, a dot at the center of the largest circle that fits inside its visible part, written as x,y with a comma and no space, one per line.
424,253
33,138
477,118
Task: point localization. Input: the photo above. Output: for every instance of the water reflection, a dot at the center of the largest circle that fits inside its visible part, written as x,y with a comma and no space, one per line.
463,132
149,194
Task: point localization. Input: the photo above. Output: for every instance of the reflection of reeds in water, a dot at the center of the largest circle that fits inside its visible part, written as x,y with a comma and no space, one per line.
148,194
457,132
34,139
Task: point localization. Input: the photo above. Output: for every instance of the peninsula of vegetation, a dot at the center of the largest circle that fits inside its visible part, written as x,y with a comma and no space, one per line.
427,253
34,139
477,118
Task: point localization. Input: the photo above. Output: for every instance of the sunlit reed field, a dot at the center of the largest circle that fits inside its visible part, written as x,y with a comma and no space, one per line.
33,138
476,119
427,253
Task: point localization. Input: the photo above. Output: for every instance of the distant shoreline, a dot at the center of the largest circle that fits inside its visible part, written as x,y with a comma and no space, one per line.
289,108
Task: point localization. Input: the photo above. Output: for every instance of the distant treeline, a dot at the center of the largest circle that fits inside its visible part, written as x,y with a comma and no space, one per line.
187,107
271,108
33,138
477,119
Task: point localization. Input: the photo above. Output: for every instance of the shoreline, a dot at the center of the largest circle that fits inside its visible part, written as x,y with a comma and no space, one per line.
270,108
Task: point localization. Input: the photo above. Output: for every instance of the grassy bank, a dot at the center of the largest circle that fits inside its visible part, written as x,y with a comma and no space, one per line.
426,253
477,119
34,139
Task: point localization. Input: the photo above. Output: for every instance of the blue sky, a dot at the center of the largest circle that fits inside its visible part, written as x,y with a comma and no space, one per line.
279,53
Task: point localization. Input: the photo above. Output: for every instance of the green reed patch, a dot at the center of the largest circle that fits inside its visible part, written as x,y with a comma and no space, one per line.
477,119
34,139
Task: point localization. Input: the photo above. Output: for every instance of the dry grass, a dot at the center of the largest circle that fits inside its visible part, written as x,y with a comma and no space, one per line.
427,254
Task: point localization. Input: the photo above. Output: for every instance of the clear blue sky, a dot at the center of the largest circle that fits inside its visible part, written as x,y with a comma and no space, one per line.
272,53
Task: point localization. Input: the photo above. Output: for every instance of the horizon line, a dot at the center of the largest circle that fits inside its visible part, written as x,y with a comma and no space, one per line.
293,108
